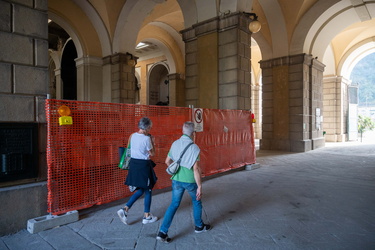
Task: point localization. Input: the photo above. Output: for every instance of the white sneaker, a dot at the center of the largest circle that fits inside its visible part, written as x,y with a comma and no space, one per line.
123,215
149,219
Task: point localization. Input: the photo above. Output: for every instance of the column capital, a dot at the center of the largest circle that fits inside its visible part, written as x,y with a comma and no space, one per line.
317,64
175,76
292,59
92,60
217,24
119,58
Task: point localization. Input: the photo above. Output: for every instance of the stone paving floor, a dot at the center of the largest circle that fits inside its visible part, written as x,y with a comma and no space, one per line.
321,199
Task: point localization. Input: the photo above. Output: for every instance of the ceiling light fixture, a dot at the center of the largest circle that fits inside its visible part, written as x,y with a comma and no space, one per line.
142,45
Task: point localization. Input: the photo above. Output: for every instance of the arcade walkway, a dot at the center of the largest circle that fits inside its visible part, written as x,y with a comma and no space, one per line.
321,199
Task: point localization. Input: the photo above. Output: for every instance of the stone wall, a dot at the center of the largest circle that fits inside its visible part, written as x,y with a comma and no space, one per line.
23,90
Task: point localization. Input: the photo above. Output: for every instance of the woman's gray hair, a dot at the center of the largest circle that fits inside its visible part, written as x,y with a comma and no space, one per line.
144,123
188,128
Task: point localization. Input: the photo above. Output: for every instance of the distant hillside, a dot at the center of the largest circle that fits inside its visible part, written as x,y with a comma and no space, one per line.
364,75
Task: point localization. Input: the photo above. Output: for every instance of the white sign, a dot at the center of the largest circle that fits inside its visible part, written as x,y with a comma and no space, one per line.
317,118
198,119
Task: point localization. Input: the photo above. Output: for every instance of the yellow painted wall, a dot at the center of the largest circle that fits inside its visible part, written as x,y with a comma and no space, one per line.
208,71
144,67
281,102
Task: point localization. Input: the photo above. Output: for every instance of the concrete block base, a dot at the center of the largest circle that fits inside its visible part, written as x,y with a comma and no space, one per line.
42,223
252,166
21,196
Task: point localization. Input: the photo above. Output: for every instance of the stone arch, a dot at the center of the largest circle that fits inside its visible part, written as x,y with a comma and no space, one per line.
256,56
256,82
158,84
323,22
56,55
330,61
310,24
177,39
56,58
69,71
189,11
129,23
53,60
325,33
70,30
98,25
354,55
78,20
277,28
89,67
264,47
318,33
165,50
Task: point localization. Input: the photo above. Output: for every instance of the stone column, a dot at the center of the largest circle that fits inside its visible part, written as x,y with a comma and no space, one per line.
234,63
58,83
89,79
107,82
192,76
176,90
292,94
256,105
122,77
144,90
316,104
218,63
335,108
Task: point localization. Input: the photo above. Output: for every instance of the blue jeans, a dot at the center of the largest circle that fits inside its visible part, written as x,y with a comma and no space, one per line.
178,189
139,193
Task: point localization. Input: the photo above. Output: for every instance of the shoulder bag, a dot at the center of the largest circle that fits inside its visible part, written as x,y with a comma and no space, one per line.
125,157
174,166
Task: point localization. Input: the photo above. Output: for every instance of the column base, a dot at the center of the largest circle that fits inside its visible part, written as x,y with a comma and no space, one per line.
335,138
291,146
318,143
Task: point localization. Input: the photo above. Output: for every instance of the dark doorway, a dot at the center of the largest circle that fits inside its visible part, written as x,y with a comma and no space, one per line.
69,72
159,86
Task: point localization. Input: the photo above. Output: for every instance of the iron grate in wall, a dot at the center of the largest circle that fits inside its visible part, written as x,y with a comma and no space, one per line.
18,151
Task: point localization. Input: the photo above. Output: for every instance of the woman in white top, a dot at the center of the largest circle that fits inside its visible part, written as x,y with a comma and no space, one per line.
141,174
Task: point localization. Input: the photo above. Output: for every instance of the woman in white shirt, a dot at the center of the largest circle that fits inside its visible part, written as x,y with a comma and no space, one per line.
141,174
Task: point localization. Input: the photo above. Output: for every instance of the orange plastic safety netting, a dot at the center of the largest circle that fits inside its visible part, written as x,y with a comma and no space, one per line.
82,158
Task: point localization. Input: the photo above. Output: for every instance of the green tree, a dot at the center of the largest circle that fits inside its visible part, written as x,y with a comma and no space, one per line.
365,123
363,74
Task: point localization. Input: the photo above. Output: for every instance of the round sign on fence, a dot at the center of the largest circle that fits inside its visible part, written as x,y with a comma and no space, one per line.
198,119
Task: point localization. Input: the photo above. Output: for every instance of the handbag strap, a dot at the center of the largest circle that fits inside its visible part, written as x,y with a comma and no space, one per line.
183,152
128,147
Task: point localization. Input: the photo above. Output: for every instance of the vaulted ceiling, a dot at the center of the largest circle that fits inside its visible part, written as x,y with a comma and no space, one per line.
328,29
